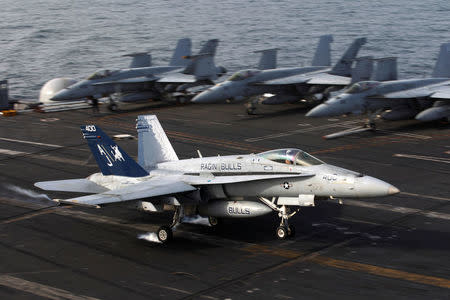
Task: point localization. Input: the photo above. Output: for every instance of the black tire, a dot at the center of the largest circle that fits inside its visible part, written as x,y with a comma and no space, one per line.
164,234
214,221
291,231
282,232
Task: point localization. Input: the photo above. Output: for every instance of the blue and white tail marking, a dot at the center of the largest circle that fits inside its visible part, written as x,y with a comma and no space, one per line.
111,159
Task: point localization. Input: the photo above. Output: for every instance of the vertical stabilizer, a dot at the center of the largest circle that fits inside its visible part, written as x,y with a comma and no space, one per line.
111,159
442,67
153,145
202,66
4,99
182,49
363,69
322,57
386,69
209,47
268,59
140,60
344,66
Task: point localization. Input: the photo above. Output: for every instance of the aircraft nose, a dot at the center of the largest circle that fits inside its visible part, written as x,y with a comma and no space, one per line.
373,187
212,95
62,95
322,110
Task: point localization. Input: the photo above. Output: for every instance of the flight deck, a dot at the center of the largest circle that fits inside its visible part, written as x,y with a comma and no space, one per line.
396,246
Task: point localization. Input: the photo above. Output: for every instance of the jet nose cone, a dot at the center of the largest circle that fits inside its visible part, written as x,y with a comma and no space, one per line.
61,95
393,190
321,110
212,95
373,187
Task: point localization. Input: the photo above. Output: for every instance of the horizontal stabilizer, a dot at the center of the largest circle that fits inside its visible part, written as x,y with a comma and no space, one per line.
146,189
328,79
442,93
71,185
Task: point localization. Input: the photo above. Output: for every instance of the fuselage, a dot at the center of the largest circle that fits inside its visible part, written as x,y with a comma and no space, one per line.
320,179
369,96
244,84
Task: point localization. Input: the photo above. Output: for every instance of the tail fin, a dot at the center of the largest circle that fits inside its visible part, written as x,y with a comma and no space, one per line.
268,59
386,69
363,69
209,47
344,66
322,57
140,60
442,67
202,66
153,145
4,98
182,49
111,159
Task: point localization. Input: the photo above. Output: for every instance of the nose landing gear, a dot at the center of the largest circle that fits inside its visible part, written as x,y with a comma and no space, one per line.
285,213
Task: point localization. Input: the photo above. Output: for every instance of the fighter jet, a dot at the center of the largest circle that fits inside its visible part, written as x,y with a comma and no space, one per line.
148,82
282,180
288,84
424,99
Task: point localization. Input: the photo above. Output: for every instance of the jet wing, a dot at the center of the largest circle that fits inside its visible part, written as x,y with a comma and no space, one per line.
177,78
150,188
295,79
329,79
71,185
436,91
207,180
142,79
442,93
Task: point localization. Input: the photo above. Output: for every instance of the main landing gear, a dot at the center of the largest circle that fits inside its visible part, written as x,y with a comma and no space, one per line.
285,213
165,233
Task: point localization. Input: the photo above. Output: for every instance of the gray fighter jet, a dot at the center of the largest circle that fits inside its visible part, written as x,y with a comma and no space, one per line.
148,82
424,99
288,84
282,180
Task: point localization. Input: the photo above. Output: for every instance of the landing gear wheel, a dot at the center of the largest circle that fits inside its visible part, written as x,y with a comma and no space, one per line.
164,234
282,232
213,221
291,231
113,107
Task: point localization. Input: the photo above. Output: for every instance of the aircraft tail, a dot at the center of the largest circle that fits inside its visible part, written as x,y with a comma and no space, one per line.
363,69
268,59
209,47
442,67
344,66
322,57
182,49
153,145
386,69
140,60
111,159
202,66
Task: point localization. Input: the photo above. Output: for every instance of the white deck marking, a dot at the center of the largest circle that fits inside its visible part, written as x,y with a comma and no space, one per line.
12,152
44,157
426,196
31,143
38,289
398,209
422,157
178,290
297,131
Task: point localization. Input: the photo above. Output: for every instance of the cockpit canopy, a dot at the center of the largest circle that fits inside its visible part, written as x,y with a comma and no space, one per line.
100,74
361,87
241,75
291,157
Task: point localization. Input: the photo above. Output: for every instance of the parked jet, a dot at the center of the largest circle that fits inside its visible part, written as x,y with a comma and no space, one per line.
148,82
426,99
288,84
283,180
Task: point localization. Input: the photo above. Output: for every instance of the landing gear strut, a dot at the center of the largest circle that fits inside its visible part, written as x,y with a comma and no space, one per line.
285,213
165,233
